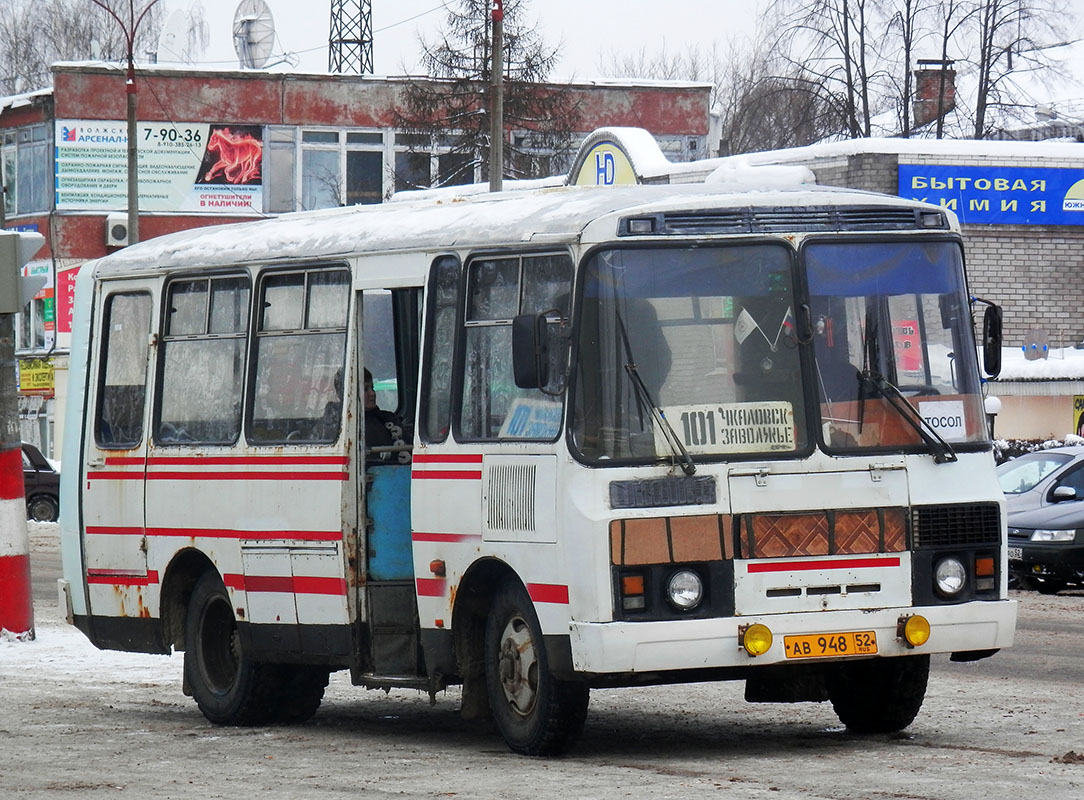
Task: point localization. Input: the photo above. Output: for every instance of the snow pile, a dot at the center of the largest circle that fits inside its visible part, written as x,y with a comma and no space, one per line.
1061,363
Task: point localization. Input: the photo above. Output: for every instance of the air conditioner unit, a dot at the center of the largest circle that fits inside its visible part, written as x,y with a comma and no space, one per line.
116,230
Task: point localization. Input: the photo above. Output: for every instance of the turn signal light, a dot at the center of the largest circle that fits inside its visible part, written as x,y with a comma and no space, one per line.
756,639
984,566
632,593
914,630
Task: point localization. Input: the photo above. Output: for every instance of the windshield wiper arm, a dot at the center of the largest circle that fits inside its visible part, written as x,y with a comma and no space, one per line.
942,451
688,466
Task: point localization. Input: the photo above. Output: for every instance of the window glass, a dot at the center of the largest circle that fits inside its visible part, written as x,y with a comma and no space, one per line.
203,362
127,325
35,178
11,176
378,331
1023,474
297,383
455,169
364,177
500,289
320,179
320,137
360,137
411,171
1074,480
281,184
437,375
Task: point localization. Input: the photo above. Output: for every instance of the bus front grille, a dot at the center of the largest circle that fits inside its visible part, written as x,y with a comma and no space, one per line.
955,525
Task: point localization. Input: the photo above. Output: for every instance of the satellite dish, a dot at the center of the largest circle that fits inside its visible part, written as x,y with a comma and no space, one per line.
253,33
173,38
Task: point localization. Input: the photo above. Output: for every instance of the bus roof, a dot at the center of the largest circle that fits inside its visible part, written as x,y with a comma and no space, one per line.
557,215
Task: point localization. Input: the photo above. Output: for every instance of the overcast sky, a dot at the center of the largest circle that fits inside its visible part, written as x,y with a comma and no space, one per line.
587,29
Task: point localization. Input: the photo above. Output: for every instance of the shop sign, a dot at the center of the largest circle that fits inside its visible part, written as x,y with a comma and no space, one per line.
36,376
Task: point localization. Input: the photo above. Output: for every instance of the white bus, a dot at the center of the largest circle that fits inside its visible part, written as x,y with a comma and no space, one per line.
630,435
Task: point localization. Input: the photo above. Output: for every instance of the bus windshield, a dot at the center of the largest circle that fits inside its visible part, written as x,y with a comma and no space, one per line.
711,337
892,316
709,332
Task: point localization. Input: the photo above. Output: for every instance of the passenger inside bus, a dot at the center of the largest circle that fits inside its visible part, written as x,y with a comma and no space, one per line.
382,429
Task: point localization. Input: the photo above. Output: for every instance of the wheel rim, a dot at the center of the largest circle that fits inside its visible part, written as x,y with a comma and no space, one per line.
518,667
41,511
219,646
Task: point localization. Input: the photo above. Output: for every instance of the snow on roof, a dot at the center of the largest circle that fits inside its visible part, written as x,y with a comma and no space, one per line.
24,99
1062,363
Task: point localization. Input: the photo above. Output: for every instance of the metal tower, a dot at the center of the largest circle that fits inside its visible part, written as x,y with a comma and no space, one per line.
350,44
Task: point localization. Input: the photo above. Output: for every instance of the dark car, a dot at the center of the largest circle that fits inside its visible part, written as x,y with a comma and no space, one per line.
42,485
1044,495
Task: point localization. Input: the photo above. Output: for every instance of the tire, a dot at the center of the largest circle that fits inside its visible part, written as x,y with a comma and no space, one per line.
536,714
1049,585
43,508
300,692
229,687
880,695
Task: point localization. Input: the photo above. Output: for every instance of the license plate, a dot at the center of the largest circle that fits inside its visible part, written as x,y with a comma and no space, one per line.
821,645
1016,554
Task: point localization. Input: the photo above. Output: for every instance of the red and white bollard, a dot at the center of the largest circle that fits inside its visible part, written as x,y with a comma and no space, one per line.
16,601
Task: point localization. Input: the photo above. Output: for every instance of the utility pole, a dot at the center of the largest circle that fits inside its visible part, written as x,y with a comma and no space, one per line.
129,29
496,117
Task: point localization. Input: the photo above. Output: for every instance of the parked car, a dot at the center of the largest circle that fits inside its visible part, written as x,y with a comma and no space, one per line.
1044,495
42,485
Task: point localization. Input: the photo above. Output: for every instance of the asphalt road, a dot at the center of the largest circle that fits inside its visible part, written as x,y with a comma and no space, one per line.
80,723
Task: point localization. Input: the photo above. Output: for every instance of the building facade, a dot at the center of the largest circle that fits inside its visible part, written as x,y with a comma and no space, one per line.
229,146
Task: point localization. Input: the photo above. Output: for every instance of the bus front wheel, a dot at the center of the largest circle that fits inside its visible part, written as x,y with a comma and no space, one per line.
537,714
881,695
229,687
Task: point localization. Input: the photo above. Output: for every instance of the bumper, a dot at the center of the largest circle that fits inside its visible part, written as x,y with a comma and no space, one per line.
618,647
1060,561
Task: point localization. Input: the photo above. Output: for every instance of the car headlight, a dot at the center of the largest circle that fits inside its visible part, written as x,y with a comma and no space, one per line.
949,576
685,590
1043,535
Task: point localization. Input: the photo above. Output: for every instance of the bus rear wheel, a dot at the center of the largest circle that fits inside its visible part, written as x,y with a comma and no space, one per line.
881,695
537,714
229,687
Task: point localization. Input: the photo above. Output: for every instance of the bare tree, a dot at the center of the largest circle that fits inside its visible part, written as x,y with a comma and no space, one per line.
35,33
907,22
447,109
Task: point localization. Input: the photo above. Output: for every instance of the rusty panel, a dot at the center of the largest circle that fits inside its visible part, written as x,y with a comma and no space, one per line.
857,532
696,538
895,530
646,541
662,110
786,535
341,102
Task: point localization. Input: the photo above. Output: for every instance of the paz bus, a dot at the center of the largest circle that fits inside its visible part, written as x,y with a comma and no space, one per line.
647,434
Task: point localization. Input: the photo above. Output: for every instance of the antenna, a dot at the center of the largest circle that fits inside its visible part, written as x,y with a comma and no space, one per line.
253,33
350,45
173,38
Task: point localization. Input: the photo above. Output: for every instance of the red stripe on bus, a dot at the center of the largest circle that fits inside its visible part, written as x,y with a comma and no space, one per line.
446,475
417,536
220,476
287,584
431,587
451,458
216,533
251,460
548,593
804,566
114,578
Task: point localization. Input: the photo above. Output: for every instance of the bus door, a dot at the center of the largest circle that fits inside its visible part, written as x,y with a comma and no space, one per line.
115,449
386,386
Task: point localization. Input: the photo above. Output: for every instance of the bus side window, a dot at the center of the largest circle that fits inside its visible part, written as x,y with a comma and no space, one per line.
299,350
441,326
123,388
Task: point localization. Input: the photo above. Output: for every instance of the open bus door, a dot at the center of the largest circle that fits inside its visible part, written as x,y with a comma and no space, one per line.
115,451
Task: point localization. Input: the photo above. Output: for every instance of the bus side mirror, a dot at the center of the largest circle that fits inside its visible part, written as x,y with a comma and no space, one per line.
530,351
991,340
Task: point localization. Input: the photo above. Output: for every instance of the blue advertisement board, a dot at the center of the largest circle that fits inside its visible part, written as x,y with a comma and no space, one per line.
999,195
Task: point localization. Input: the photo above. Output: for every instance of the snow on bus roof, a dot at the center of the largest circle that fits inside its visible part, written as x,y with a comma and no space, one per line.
435,220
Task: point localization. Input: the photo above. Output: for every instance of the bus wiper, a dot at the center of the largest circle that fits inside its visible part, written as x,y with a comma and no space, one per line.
688,466
942,451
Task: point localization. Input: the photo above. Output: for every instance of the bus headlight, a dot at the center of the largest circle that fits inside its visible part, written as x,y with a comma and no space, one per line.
684,590
949,576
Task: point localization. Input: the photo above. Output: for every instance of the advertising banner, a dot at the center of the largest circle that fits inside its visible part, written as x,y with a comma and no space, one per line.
183,167
36,376
999,195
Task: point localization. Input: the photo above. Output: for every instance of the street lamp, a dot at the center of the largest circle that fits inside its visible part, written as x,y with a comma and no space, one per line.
129,28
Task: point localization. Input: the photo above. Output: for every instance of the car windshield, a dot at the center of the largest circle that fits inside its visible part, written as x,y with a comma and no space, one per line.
1025,473
893,314
701,336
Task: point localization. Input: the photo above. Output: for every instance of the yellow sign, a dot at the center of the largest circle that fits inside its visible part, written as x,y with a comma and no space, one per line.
1078,415
605,164
36,376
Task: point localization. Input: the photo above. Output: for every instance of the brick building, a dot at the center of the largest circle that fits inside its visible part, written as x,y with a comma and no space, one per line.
317,140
